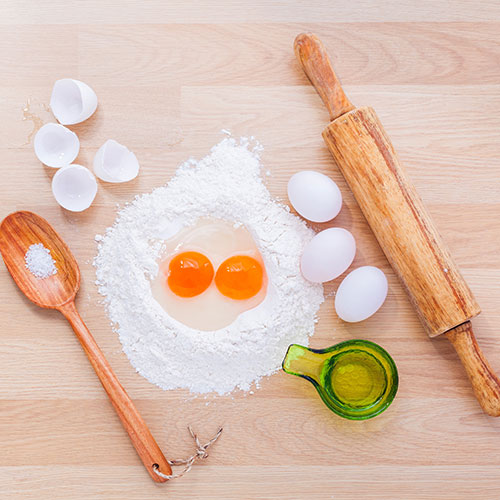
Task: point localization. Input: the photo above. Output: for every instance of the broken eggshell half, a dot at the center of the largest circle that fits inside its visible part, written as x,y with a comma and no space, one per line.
74,187
113,162
72,101
55,145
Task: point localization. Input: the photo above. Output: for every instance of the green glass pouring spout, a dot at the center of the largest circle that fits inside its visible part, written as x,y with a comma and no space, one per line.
356,379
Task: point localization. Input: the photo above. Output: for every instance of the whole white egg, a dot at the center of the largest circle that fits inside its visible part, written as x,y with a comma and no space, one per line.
314,196
328,255
361,294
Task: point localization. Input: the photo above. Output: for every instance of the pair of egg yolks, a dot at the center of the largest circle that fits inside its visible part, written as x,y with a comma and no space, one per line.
190,273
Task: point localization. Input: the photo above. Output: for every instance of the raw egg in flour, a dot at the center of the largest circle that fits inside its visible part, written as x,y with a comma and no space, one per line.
209,274
239,277
189,274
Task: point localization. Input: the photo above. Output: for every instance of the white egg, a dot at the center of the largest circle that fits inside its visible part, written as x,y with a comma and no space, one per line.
72,101
328,255
55,145
74,187
113,162
361,294
314,196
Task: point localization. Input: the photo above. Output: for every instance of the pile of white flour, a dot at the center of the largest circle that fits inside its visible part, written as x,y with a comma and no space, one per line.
224,185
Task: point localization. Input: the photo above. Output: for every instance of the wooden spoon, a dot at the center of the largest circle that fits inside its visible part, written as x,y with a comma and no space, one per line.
17,232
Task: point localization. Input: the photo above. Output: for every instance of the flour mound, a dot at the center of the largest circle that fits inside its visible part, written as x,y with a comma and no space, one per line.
226,185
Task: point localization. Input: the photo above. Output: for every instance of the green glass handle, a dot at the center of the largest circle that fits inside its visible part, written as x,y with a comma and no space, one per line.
303,362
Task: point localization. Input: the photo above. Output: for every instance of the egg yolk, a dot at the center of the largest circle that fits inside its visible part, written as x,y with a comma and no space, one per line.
239,277
189,274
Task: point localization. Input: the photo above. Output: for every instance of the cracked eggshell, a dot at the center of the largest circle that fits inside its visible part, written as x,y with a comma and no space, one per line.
113,162
74,187
55,145
72,101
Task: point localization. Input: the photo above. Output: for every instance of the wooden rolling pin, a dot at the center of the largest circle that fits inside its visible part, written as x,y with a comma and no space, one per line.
397,217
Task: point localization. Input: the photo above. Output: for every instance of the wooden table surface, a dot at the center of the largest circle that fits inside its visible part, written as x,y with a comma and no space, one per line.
169,76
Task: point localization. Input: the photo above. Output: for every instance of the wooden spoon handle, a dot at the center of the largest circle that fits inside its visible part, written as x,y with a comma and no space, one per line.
485,383
316,64
141,437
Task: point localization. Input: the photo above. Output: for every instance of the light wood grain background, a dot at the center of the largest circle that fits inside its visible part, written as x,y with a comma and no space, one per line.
169,75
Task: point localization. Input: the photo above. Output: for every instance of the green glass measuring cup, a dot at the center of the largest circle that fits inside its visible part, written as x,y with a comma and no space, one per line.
356,379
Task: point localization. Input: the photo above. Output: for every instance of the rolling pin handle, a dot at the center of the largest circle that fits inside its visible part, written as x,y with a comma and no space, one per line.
316,64
485,383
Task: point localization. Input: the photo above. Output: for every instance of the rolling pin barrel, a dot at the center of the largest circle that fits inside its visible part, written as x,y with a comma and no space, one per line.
399,221
397,217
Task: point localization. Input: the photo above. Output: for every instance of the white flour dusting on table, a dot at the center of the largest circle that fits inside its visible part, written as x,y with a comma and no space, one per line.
226,185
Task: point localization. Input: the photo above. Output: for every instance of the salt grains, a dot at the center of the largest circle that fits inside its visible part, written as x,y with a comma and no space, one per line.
39,262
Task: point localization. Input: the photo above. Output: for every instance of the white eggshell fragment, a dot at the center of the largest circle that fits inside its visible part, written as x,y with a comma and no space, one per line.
314,196
113,162
328,255
74,187
55,145
72,101
361,294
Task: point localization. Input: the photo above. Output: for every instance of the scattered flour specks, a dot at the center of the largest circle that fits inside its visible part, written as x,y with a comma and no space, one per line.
39,261
227,185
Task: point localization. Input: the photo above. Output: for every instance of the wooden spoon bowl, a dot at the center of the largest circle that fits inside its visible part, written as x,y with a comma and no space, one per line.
18,232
